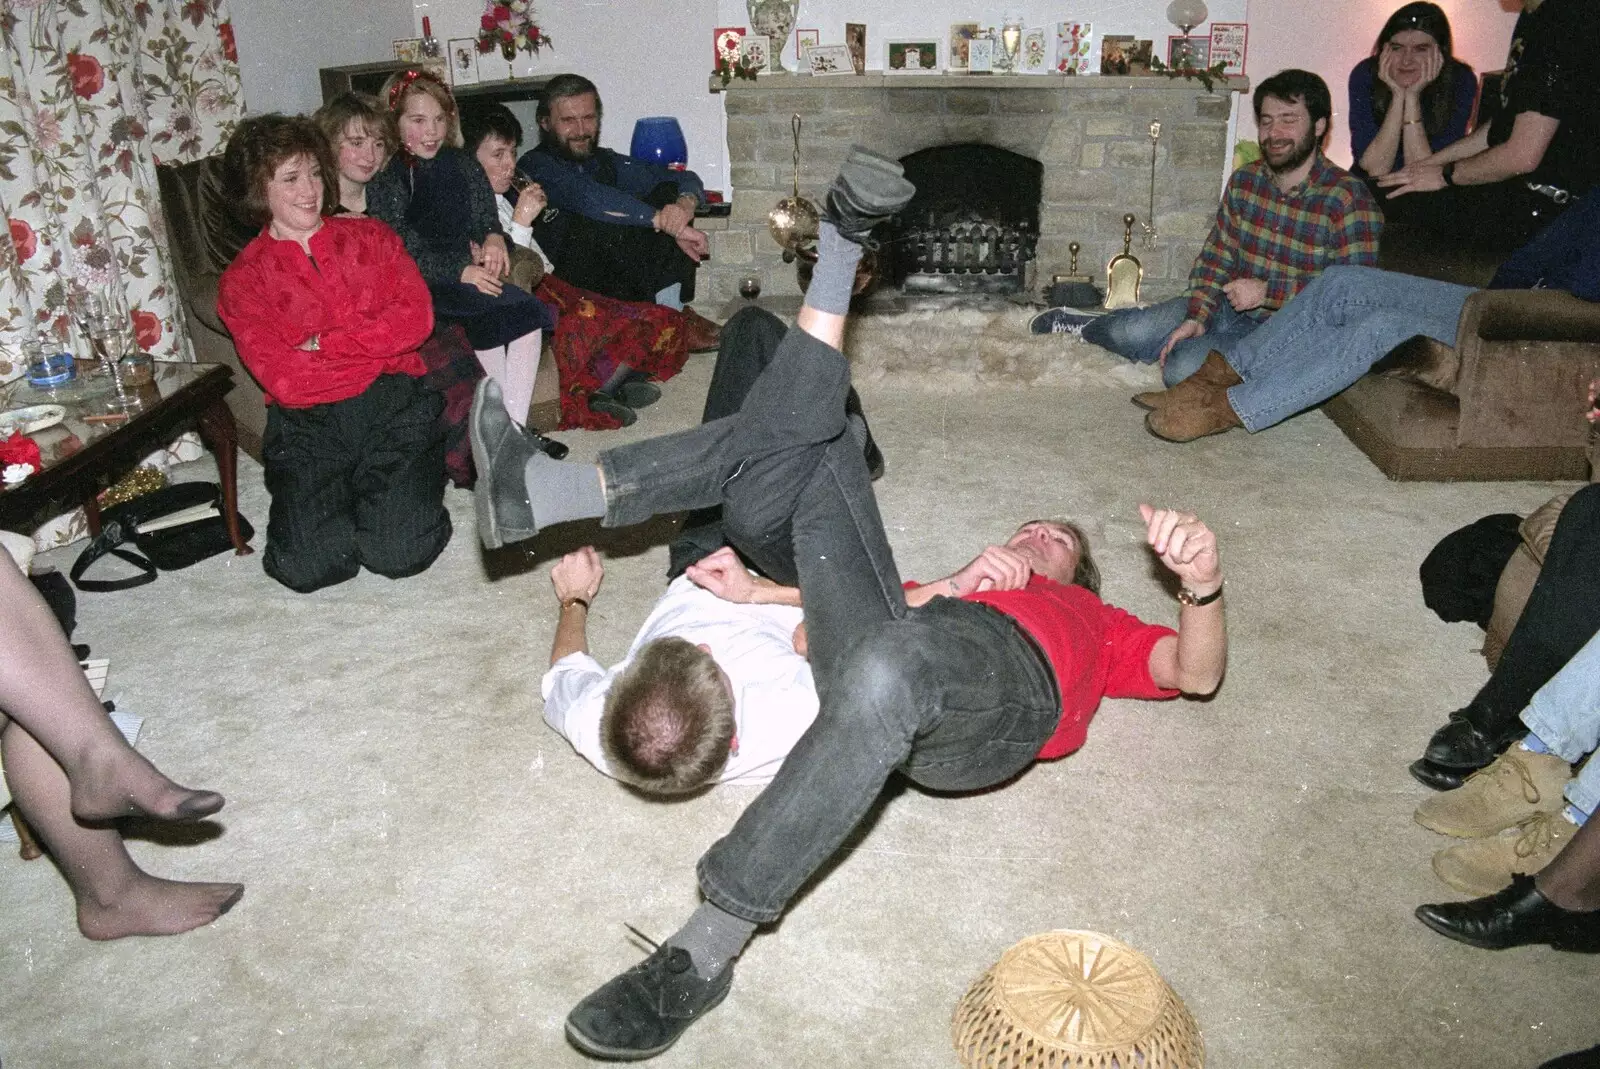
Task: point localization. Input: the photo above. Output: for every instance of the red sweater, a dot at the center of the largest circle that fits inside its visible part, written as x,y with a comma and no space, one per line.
358,291
1097,651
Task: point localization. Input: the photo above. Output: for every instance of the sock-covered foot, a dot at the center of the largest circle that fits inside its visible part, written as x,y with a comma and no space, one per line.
561,491
153,906
121,783
713,937
500,450
869,190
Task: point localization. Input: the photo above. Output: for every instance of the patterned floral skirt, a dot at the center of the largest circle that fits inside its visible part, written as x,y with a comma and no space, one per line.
595,334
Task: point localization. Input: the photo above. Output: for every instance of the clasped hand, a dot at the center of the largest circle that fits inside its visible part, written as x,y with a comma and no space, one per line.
1186,546
724,574
578,575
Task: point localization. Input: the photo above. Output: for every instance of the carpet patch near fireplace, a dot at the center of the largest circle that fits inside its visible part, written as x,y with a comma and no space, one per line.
950,349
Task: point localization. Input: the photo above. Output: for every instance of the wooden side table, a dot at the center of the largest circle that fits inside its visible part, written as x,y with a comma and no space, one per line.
82,458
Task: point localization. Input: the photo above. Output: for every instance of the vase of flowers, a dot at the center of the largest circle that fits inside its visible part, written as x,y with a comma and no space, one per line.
509,26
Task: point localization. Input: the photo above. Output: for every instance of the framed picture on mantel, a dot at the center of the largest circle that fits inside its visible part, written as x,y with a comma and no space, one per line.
463,61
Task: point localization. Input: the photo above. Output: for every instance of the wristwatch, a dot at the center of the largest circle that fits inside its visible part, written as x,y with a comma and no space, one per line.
1189,597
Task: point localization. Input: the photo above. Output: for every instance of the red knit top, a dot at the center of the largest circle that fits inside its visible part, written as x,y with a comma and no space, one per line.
358,291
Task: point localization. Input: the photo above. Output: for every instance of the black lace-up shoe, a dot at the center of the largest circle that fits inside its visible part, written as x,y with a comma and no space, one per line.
870,189
643,1012
1517,916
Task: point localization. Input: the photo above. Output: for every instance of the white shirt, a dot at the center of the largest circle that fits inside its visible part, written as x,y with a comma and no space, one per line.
520,234
774,698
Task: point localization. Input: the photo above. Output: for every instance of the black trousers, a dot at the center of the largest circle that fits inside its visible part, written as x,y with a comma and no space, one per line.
630,263
1562,614
748,341
356,483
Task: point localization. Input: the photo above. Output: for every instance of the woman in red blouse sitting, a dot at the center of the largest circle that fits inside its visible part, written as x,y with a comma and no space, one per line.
327,314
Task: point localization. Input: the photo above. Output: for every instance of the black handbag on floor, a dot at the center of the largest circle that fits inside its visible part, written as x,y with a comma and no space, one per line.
161,531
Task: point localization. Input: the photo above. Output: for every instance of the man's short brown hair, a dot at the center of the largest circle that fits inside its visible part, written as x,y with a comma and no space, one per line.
668,721
262,144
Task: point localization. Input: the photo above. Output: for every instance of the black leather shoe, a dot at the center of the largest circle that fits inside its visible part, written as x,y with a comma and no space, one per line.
1436,777
1578,1059
500,449
643,1012
1460,745
1517,916
870,189
638,392
608,405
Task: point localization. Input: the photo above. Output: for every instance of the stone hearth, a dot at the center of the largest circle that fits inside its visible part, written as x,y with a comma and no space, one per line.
1091,134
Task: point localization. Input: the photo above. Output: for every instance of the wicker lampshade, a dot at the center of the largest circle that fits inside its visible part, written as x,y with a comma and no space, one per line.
1074,1000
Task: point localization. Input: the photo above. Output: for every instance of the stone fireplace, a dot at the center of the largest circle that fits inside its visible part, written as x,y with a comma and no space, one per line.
1091,134
973,226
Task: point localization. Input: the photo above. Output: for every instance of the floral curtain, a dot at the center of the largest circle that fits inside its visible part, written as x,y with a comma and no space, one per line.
93,94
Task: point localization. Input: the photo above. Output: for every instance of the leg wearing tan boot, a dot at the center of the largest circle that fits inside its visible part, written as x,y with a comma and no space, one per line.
1198,405
1215,373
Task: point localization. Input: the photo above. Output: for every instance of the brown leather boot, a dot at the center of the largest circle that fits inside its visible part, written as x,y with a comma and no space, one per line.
1204,411
1215,373
1150,400
700,333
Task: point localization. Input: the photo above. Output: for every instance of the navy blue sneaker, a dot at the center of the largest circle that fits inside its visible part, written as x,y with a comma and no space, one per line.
643,1012
1062,321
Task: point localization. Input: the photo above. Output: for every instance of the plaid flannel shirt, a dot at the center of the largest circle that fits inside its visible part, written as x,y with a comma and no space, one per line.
1285,239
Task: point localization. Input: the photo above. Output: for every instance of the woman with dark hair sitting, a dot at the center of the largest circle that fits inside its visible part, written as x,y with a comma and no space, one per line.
1411,97
607,350
327,314
436,198
362,134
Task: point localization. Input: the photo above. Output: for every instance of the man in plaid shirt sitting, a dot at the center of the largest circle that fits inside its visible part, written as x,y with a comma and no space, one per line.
1282,220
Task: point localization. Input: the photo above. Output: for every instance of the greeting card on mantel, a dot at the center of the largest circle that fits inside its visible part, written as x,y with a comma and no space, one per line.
1075,49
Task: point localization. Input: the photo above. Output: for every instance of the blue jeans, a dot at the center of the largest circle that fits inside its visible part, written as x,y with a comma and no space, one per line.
951,694
1331,333
1565,714
1138,334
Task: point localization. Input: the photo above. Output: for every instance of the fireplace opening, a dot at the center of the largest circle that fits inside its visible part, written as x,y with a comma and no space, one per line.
973,226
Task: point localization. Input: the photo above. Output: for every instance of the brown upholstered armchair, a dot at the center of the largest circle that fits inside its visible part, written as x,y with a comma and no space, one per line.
1507,402
205,235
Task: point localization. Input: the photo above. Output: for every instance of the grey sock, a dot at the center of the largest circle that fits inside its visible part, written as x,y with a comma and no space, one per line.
713,937
562,490
834,277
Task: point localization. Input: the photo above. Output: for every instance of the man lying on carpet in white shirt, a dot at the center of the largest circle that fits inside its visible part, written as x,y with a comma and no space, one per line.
666,720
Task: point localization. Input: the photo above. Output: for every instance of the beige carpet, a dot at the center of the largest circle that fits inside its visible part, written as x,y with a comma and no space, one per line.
434,878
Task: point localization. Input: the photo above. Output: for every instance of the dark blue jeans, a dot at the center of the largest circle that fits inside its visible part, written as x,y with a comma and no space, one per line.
950,694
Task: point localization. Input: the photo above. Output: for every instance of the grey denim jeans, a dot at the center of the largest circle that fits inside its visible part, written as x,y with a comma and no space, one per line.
951,694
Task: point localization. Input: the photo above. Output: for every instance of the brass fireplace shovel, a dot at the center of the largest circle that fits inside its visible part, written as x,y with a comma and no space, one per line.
794,221
1124,272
